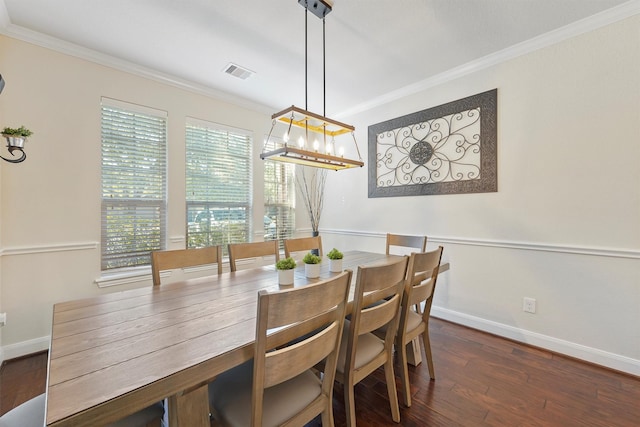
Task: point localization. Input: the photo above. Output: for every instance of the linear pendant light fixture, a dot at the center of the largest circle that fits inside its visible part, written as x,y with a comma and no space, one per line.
322,152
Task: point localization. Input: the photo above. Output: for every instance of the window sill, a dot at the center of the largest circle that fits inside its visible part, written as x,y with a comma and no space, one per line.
124,277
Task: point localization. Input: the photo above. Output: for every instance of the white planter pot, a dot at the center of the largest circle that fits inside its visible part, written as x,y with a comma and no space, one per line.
285,277
312,270
335,265
15,141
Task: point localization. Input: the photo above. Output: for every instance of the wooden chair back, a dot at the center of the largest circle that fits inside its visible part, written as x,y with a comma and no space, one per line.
422,274
252,250
181,258
305,244
420,285
376,304
309,322
400,240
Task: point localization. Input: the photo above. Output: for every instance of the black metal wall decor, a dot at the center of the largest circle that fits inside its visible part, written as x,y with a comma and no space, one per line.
448,149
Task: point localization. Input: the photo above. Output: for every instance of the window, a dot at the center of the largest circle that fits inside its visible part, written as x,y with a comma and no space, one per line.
279,199
218,189
133,183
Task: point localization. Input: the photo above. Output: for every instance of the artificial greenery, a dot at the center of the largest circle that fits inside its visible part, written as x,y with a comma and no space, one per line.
21,131
334,254
311,258
286,264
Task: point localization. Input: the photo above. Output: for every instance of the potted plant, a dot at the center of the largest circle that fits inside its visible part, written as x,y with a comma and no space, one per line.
311,265
335,260
16,137
285,271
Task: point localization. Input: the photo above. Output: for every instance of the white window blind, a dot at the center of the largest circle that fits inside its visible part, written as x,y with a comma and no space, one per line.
218,184
133,183
279,199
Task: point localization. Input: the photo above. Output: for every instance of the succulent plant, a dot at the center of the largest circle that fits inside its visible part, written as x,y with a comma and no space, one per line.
334,254
21,131
311,258
286,264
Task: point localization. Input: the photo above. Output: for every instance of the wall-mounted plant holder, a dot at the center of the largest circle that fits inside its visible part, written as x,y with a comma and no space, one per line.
16,138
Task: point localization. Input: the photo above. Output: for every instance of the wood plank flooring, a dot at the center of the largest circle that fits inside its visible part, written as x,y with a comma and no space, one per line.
481,380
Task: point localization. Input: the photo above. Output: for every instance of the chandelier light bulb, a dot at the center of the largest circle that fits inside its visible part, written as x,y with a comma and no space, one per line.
285,137
301,142
328,149
316,145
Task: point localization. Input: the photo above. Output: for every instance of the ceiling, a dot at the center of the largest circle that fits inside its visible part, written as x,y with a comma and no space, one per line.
374,48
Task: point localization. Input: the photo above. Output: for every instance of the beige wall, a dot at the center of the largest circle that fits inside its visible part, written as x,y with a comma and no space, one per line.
50,216
563,227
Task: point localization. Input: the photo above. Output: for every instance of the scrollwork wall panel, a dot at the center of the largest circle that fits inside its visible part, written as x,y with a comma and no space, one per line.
447,149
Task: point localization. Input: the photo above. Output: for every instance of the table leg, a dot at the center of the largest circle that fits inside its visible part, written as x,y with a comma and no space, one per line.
190,408
414,355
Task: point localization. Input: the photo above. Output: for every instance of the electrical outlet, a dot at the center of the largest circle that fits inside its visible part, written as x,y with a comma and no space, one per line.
3,319
529,305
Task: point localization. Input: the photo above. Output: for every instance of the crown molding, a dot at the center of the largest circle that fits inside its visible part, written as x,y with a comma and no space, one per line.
585,25
20,33
594,22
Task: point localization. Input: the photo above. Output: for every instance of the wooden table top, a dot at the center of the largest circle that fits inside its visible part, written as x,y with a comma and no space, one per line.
115,354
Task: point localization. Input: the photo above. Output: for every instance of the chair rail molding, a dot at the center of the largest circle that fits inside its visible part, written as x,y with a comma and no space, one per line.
57,247
506,244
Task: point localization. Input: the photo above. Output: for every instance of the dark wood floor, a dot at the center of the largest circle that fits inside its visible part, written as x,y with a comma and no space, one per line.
481,380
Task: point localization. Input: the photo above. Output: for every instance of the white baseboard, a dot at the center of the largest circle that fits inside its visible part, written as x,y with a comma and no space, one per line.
23,348
578,351
593,355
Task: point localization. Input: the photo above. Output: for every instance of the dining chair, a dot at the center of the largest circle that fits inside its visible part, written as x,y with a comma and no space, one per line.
181,258
31,414
303,244
252,250
296,329
420,285
405,241
376,303
402,244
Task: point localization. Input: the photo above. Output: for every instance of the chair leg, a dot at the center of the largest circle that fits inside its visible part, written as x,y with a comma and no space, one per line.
404,373
327,417
391,389
349,404
427,351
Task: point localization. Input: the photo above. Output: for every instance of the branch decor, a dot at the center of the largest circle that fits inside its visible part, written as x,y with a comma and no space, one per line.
312,190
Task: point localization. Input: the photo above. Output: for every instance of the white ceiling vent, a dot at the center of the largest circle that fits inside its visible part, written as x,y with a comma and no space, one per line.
238,71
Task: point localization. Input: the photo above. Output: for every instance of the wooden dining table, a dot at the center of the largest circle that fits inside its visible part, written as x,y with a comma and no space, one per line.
115,354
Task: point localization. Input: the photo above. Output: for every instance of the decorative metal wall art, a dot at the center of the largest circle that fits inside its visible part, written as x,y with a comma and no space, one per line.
447,149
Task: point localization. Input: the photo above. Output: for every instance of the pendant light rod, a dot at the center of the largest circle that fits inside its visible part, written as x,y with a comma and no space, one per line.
306,61
307,121
324,72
